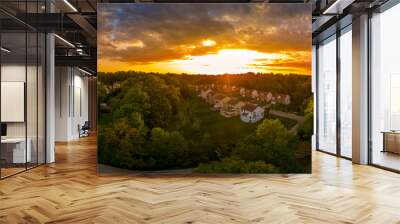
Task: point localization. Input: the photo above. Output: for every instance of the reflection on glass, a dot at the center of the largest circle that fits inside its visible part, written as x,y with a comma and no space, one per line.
31,100
385,89
22,91
327,96
15,151
346,94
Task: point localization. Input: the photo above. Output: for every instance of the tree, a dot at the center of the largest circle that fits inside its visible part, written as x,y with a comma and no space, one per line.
306,130
121,144
101,93
236,165
178,147
272,143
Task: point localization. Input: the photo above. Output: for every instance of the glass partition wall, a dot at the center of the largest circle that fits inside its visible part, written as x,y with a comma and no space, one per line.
334,93
327,95
22,98
385,89
345,91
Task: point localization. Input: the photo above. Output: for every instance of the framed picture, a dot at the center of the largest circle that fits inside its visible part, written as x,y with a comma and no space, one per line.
204,88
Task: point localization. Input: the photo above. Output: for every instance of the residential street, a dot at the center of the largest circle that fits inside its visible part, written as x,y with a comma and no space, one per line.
299,119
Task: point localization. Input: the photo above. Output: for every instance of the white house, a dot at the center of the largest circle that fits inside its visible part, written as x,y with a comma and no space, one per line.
231,108
254,94
203,93
269,96
239,105
242,92
216,98
221,103
251,113
210,97
283,99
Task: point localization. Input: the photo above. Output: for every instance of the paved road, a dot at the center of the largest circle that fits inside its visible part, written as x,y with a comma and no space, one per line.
299,119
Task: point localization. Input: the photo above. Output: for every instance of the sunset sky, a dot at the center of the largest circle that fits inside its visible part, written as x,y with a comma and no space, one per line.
205,38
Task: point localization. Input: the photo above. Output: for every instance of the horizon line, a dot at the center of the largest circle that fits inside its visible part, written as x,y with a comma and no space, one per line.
218,74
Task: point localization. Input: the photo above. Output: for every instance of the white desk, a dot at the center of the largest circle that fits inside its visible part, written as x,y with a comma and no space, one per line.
19,154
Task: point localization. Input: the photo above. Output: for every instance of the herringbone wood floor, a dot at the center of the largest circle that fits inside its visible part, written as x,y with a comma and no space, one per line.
70,191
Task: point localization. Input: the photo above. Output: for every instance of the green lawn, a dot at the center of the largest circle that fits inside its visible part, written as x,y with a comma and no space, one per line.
220,127
229,128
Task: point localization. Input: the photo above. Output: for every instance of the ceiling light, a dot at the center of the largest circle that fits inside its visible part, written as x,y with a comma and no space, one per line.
70,5
86,72
5,50
64,40
338,6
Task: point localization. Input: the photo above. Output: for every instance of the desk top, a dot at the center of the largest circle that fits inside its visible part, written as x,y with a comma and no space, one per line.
13,140
391,132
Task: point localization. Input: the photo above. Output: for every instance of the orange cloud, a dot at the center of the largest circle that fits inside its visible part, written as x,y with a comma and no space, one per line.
170,37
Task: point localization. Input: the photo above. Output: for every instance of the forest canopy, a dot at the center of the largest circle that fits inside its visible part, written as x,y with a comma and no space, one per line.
152,121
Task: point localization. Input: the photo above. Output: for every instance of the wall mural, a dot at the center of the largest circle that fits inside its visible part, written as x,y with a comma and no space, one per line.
204,88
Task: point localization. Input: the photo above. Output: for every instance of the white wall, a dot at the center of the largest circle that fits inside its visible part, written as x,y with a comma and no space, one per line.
33,127
12,73
62,81
71,94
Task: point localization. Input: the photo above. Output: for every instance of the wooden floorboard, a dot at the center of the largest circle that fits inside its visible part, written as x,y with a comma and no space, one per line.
70,191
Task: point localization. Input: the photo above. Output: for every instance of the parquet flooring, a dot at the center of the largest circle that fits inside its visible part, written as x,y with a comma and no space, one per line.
70,191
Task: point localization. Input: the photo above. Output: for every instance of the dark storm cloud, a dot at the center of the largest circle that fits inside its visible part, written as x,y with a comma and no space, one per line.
143,33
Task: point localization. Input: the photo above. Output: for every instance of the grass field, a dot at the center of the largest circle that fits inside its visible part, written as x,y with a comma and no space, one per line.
220,127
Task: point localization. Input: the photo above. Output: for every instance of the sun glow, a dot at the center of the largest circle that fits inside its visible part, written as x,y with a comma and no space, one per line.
226,61
233,61
124,45
209,43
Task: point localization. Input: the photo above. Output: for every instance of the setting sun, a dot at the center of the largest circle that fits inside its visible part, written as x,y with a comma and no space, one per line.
226,61
222,62
208,43
204,40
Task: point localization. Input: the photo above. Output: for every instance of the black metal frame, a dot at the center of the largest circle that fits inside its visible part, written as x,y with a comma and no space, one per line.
369,90
44,80
338,98
338,34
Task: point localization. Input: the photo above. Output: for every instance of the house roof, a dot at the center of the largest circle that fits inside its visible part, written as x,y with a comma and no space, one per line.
233,101
226,99
249,107
218,96
282,95
240,103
